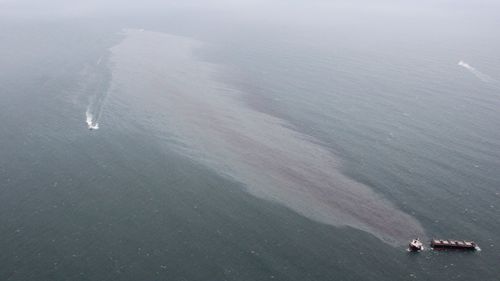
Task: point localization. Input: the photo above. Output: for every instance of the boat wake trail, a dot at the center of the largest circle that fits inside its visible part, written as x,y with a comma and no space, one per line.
95,84
483,77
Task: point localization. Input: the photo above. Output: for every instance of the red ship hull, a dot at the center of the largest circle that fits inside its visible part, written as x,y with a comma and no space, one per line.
453,244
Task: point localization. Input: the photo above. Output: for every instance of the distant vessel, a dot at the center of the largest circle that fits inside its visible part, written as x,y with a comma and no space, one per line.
454,244
93,126
415,245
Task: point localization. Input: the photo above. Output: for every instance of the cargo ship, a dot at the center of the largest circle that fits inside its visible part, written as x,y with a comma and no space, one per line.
453,244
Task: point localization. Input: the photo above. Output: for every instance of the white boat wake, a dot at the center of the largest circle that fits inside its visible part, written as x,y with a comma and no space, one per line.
483,77
95,83
91,123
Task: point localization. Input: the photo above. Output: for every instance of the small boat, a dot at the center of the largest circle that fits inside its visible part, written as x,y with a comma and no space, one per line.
454,244
415,245
93,126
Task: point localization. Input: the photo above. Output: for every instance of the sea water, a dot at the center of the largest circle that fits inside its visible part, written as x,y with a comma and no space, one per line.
298,142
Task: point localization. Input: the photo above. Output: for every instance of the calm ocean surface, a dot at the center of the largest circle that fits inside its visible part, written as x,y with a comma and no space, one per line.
298,142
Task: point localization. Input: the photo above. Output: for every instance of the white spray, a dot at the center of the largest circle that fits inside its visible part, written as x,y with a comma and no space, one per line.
91,123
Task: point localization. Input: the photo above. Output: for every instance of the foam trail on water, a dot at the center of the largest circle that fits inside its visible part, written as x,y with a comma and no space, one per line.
483,77
94,84
89,117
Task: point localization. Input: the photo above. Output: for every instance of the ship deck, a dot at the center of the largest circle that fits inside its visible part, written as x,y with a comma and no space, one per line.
454,244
